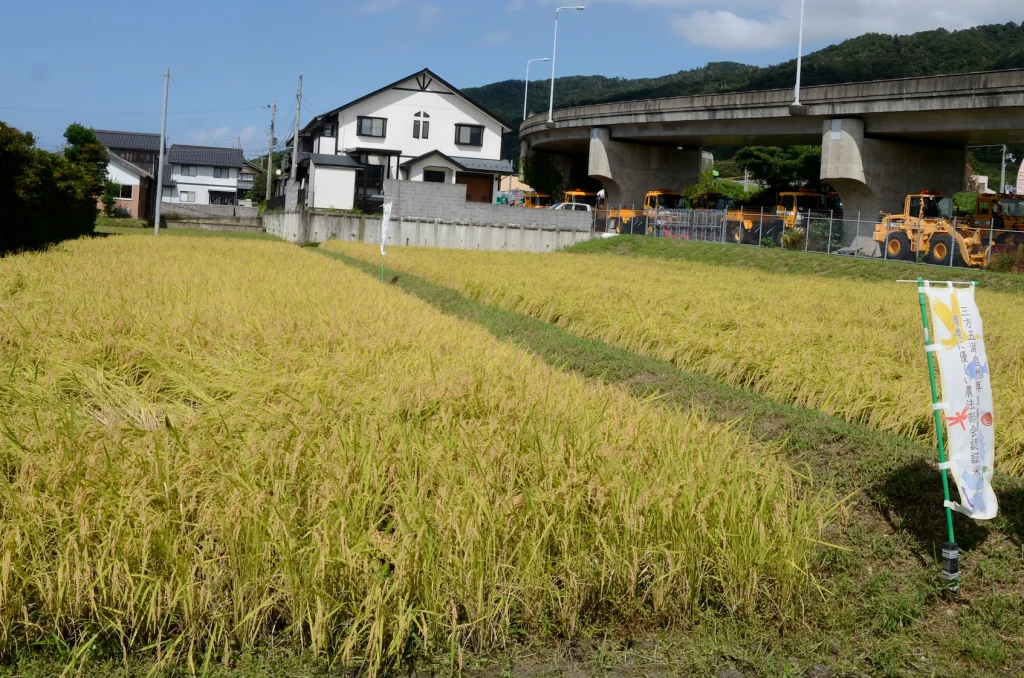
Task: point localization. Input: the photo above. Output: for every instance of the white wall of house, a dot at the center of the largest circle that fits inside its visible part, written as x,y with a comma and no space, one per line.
399,107
417,169
201,184
333,187
121,175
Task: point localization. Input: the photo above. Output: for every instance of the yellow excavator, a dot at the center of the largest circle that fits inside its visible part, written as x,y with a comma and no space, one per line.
926,227
636,221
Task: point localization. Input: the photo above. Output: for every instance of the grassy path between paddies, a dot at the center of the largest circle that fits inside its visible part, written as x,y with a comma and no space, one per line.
213,446
848,348
886,614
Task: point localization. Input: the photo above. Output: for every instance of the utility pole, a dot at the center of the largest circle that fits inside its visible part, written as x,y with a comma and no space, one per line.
1002,175
160,167
295,139
270,151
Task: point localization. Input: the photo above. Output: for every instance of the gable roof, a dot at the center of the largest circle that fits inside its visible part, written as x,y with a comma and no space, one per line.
206,156
469,164
134,169
253,166
425,76
129,141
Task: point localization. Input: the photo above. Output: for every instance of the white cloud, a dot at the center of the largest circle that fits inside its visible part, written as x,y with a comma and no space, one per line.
747,25
497,38
515,5
208,136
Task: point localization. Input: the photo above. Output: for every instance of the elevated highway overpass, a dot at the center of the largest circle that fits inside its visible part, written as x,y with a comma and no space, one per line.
880,140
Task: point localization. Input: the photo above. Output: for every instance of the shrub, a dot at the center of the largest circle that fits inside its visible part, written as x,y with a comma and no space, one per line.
1008,262
45,197
795,239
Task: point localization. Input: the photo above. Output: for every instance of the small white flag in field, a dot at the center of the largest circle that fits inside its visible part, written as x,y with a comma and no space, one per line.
959,347
385,220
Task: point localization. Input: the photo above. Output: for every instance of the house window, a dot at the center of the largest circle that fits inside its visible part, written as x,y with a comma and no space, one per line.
221,173
189,170
421,126
434,176
125,192
187,196
222,198
372,127
328,130
469,135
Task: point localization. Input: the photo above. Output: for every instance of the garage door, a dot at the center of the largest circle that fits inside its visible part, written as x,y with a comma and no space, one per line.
479,188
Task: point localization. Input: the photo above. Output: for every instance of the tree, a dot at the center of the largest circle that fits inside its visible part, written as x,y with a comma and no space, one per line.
781,168
540,173
258,193
111,191
46,197
711,184
85,150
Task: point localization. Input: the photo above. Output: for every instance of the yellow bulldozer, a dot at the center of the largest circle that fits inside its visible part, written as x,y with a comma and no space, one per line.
927,228
637,221
1000,217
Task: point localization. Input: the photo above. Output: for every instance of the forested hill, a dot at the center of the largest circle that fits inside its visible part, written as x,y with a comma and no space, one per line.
869,57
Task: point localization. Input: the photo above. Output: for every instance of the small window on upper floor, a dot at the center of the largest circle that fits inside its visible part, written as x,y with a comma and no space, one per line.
372,127
221,172
469,135
189,170
421,126
328,129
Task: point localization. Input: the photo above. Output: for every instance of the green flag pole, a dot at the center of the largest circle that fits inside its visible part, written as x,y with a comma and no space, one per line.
950,552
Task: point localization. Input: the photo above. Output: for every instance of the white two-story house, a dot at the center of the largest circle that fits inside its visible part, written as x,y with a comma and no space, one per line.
203,175
420,128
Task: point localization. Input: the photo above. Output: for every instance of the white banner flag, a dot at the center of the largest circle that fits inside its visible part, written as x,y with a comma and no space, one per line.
959,347
385,220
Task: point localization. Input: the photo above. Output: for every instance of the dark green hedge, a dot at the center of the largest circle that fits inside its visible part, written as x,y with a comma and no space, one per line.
48,197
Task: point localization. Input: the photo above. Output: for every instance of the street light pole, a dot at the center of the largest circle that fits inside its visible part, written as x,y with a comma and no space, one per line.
526,95
554,53
799,56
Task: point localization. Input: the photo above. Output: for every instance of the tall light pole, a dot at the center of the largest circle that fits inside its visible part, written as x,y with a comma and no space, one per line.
799,56
554,52
526,95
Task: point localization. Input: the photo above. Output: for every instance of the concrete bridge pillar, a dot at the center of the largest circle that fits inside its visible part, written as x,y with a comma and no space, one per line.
874,175
629,170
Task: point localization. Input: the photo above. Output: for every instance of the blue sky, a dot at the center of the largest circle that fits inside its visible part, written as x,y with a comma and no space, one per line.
100,62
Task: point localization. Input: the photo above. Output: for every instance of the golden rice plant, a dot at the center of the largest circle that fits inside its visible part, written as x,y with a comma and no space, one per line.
847,347
211,445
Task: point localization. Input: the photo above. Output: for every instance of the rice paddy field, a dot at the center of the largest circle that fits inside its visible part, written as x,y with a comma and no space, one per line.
847,347
213,446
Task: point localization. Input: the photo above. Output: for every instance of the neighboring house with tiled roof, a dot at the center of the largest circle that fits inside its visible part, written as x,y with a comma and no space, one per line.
420,128
204,175
135,193
142,151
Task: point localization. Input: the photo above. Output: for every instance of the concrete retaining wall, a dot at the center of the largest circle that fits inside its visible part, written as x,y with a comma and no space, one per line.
253,225
303,227
437,215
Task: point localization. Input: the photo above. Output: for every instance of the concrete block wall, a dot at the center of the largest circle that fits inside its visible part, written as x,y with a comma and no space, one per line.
175,209
447,202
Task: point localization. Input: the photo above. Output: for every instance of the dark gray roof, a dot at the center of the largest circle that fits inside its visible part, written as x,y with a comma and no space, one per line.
133,141
205,156
470,164
168,181
482,165
331,160
114,158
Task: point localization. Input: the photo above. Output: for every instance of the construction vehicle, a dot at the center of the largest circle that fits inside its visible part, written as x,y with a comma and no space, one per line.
926,227
637,221
537,201
576,196
793,209
1000,217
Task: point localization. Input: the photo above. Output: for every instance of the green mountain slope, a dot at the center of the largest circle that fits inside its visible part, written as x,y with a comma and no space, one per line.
870,57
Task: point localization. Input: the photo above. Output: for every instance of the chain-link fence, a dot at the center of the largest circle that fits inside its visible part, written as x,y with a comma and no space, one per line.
956,243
